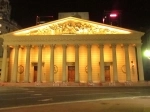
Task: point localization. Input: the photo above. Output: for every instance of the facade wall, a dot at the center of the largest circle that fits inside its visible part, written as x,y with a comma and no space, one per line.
95,52
133,63
46,59
121,63
70,58
21,62
82,63
11,62
58,56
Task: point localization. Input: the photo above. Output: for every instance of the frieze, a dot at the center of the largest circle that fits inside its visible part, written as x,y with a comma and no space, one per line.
73,38
54,41
70,41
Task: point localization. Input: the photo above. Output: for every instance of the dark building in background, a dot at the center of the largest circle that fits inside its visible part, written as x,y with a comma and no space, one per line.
43,19
6,24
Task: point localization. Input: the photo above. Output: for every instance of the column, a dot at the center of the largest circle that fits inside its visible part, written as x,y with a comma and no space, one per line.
64,63
127,63
52,64
140,63
76,63
102,75
4,63
39,74
15,66
115,73
27,67
89,63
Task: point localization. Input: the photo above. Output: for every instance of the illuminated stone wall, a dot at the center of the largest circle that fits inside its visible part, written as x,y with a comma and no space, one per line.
70,51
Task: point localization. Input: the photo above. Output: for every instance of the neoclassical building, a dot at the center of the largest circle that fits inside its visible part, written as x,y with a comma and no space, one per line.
72,50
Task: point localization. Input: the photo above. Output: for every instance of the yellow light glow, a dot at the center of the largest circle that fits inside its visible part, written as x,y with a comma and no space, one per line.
147,53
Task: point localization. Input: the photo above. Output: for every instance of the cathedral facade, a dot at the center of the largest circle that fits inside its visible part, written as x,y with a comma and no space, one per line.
72,50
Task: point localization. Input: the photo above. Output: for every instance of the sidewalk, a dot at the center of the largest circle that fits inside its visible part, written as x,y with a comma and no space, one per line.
9,84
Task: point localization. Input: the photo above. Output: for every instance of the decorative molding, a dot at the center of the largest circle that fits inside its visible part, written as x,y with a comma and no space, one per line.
72,26
20,69
78,39
107,63
55,69
36,63
123,68
70,63
86,69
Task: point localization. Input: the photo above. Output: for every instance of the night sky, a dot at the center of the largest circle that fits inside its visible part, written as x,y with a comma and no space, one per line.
135,13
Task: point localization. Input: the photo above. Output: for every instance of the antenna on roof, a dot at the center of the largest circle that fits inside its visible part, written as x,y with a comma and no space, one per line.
112,17
43,19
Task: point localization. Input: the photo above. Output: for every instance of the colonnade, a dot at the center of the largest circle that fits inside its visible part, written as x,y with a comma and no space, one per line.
89,63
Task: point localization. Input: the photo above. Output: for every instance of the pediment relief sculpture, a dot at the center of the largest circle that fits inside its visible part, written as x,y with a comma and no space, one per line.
71,27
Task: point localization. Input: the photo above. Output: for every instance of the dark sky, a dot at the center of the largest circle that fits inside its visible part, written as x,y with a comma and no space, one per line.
135,13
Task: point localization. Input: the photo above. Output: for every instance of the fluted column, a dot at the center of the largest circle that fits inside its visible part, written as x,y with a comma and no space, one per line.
39,74
102,75
4,63
64,63
27,67
52,64
115,73
127,62
76,63
89,63
140,63
15,66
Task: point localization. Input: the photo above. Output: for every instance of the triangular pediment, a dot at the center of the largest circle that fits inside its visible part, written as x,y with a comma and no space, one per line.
71,25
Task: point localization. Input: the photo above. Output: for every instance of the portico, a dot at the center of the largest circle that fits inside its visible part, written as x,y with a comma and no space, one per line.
72,49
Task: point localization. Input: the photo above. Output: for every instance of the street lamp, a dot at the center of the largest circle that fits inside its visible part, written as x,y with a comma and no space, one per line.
113,15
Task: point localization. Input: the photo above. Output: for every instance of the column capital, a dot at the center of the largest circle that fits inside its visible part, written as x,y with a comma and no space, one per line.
5,46
64,46
16,46
76,45
125,45
101,45
138,45
89,45
113,45
28,45
52,45
40,45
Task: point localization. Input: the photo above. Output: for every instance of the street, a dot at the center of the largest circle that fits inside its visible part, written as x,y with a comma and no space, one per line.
29,96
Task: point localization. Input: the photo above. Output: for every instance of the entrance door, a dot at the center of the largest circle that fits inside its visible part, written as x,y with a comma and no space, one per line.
35,74
71,73
107,73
